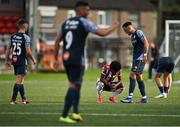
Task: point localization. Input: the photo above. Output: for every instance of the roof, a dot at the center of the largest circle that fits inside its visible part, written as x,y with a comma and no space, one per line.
130,5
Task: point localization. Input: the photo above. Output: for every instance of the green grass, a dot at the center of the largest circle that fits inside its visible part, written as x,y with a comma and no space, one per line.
46,93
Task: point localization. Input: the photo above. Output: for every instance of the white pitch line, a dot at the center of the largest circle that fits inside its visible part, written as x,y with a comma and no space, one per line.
91,114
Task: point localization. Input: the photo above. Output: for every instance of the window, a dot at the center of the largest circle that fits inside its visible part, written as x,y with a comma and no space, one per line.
47,21
134,18
104,18
71,13
47,16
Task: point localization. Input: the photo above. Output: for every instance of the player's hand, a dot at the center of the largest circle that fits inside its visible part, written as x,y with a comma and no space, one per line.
113,86
115,24
7,63
145,59
35,61
56,65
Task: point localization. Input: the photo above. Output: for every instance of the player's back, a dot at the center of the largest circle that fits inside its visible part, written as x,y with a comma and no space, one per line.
74,37
18,48
107,74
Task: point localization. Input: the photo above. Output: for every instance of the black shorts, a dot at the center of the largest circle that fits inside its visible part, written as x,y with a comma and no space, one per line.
165,64
20,69
75,73
137,66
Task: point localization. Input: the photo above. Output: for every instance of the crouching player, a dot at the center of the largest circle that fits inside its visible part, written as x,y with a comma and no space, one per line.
165,66
107,83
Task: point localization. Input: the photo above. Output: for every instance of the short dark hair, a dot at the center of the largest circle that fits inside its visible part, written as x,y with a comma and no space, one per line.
115,66
126,24
81,3
21,22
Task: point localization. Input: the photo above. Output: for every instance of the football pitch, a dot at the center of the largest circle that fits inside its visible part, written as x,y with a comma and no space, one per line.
46,92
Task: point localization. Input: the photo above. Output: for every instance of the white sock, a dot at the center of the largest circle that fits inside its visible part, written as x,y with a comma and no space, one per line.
144,97
99,88
130,95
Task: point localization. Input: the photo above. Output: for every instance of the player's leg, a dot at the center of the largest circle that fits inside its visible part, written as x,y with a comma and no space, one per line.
169,70
19,80
166,83
22,71
132,85
77,79
139,77
75,74
170,82
141,88
99,89
68,98
137,68
118,90
160,85
67,104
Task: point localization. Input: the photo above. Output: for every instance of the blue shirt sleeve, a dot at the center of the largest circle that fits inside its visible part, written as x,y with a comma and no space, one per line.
88,25
141,35
27,40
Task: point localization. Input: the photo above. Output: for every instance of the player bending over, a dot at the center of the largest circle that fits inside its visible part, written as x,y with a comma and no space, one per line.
165,66
107,83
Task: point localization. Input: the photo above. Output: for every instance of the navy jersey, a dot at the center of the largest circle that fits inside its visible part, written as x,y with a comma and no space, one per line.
19,41
74,32
137,39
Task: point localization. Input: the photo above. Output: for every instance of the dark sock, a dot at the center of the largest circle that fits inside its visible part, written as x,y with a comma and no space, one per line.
132,85
141,87
76,100
21,90
68,102
161,89
15,92
166,89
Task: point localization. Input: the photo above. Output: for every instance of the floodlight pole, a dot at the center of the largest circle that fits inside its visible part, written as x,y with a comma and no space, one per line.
33,29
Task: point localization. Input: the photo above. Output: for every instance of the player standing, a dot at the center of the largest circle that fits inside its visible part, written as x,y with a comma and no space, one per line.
165,66
140,50
73,33
107,83
20,47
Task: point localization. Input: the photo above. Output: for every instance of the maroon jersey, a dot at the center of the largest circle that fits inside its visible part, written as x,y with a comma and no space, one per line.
108,75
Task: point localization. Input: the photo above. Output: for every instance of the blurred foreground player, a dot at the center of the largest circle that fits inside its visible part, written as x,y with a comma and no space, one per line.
107,83
73,33
165,66
19,47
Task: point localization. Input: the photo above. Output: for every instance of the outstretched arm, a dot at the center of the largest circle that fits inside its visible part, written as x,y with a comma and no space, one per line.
91,27
107,31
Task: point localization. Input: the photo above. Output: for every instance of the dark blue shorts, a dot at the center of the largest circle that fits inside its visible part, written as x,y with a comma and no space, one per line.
137,67
165,64
75,73
20,69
